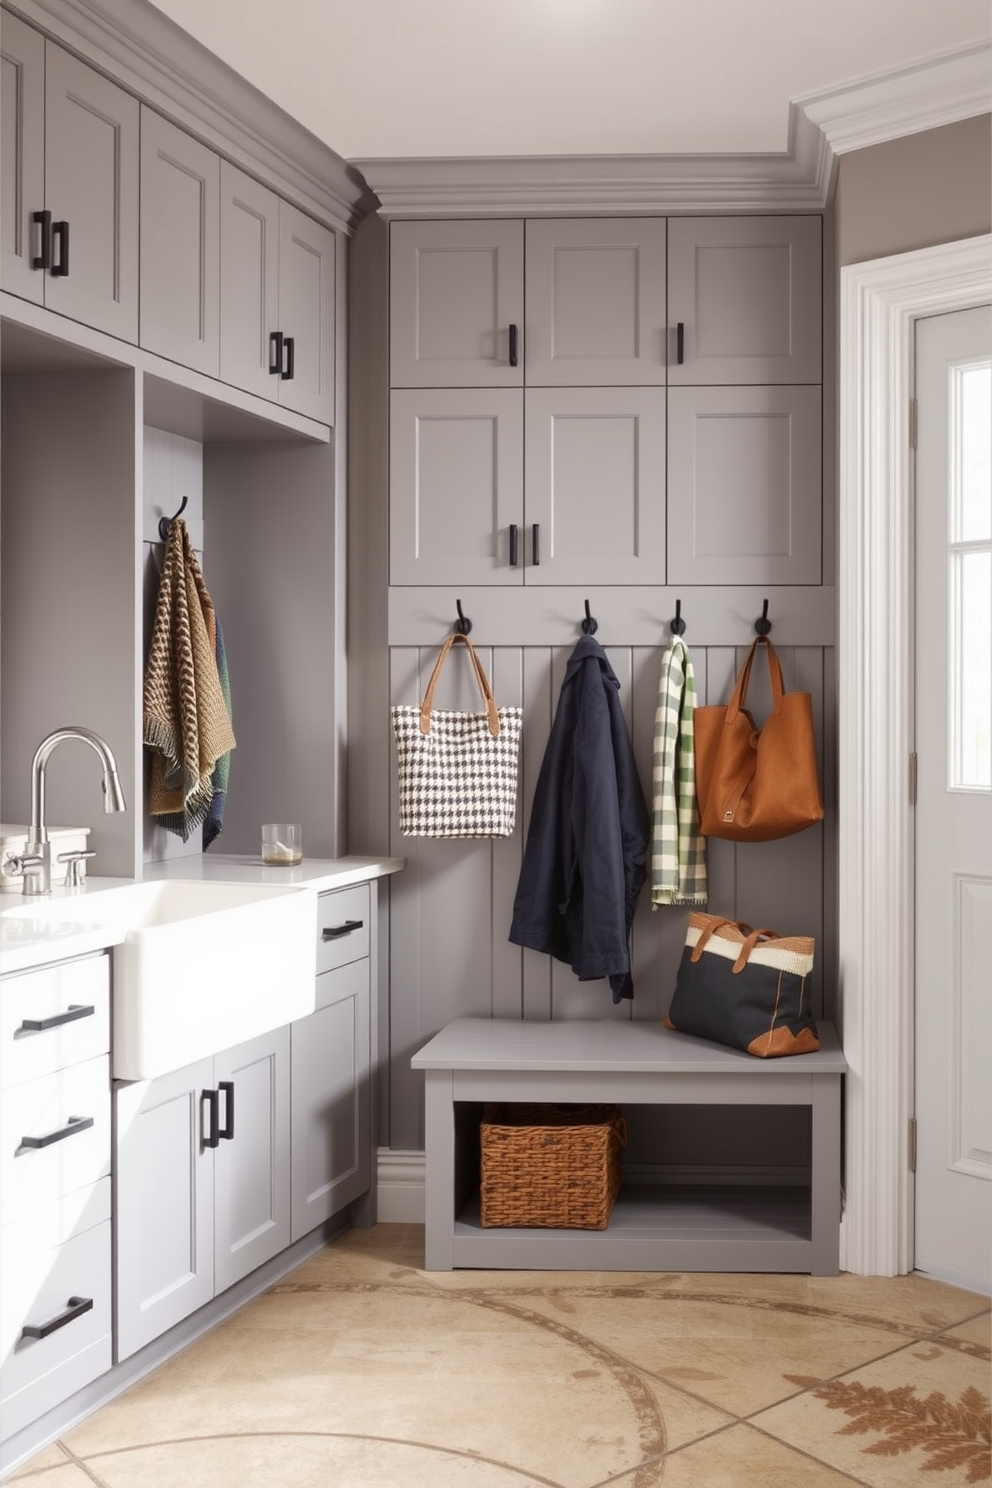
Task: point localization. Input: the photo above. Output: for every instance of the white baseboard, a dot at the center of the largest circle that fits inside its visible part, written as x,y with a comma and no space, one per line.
400,1187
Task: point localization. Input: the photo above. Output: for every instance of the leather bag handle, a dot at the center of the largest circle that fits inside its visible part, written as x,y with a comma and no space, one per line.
480,676
751,935
736,703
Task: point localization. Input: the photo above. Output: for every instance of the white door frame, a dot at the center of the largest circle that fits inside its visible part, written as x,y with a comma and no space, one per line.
880,301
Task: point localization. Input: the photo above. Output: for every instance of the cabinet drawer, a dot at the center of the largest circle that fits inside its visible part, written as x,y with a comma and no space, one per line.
40,1286
342,927
51,1111
71,1002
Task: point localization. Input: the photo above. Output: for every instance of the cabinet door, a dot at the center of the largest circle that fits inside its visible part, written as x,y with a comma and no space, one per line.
249,287
331,1158
747,292
164,1204
596,302
595,481
306,315
456,289
22,155
456,487
251,1163
744,479
91,185
180,246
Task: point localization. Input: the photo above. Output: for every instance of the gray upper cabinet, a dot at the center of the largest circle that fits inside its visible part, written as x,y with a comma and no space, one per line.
456,481
81,259
22,155
744,473
277,299
180,246
595,302
594,477
456,304
746,294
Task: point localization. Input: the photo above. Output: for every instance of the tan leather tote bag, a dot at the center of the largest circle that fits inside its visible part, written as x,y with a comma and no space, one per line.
754,785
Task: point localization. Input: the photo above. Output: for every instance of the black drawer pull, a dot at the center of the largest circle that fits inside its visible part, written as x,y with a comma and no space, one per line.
536,544
43,260
211,1138
227,1130
42,1025
73,1125
680,343
514,544
76,1307
275,353
513,346
336,931
288,372
60,230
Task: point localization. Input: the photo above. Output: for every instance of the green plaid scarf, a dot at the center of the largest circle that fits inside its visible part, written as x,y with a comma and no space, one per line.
678,849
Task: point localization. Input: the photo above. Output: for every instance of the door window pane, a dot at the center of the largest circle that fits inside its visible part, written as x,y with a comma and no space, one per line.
970,558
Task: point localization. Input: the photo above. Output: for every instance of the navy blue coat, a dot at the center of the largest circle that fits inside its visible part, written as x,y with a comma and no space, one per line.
585,858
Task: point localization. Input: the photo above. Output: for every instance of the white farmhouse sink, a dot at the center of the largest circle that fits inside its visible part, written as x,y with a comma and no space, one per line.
202,966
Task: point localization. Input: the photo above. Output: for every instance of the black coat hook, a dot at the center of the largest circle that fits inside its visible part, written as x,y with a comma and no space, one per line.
164,523
463,624
678,624
590,624
763,625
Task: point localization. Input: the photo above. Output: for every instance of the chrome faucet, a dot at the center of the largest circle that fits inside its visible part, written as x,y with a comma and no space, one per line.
36,861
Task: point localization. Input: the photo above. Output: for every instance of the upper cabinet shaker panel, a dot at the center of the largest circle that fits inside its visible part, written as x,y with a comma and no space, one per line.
457,304
91,188
180,246
69,183
744,300
306,314
22,163
596,302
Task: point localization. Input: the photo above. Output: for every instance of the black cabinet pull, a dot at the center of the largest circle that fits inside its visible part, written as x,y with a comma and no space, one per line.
60,269
212,1098
335,932
513,346
75,1308
680,343
227,1130
43,260
289,370
536,544
42,1025
514,544
73,1125
275,353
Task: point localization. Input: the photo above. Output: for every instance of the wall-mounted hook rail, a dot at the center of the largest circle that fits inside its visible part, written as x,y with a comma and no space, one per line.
763,625
590,624
463,624
164,523
678,624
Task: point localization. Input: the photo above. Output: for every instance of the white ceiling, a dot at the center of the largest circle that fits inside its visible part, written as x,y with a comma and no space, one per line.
413,78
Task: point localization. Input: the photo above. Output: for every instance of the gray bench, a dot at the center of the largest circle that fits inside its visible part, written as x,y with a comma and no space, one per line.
718,1228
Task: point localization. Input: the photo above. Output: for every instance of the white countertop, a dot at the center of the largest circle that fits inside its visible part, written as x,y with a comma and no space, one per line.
26,943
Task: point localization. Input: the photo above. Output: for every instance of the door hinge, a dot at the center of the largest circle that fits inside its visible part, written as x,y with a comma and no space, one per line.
912,778
912,423
912,1144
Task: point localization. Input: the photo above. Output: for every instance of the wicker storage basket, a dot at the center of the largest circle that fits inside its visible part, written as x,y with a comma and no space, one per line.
554,1167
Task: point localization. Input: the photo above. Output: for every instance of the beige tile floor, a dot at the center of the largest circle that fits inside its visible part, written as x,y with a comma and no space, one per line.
362,1370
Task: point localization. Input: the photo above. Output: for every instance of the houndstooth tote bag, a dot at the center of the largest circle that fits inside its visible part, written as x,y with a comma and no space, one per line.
457,771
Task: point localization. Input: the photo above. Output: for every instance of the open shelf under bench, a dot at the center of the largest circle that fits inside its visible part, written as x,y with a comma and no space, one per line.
718,1227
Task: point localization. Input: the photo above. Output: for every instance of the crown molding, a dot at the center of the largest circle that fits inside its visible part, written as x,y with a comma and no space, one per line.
928,94
145,52
924,95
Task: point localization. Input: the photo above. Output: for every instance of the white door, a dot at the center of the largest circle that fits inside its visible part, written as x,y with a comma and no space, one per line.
954,798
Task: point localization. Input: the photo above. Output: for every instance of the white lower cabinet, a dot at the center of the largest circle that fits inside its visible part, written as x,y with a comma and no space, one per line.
55,1239
202,1175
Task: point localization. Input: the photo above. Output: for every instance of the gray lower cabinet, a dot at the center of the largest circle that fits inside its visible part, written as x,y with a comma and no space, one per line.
277,298
180,246
70,156
202,1183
